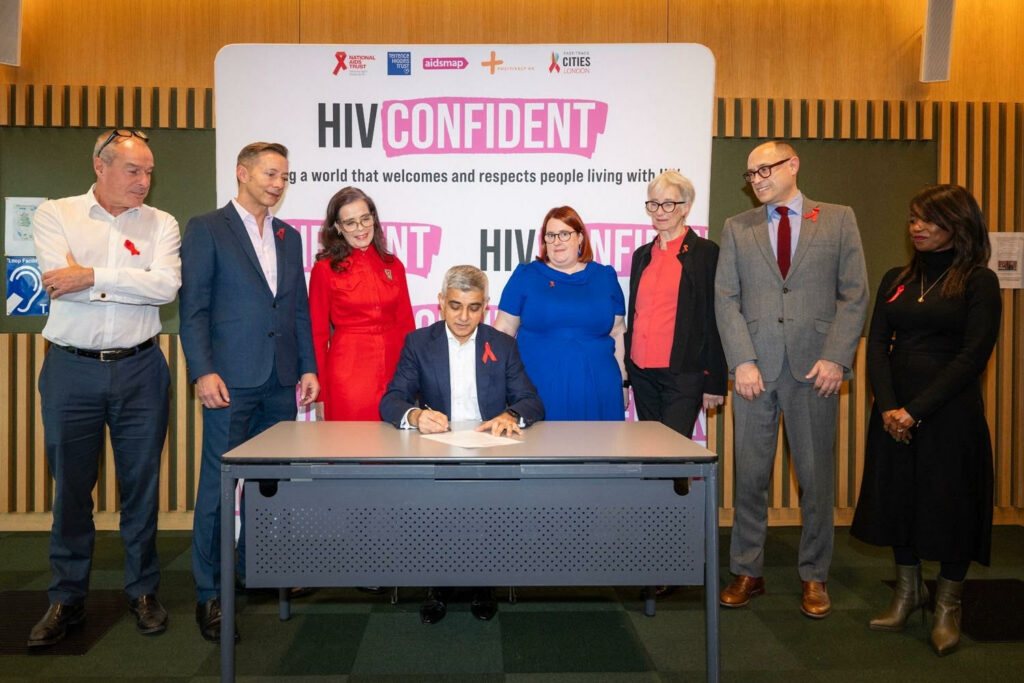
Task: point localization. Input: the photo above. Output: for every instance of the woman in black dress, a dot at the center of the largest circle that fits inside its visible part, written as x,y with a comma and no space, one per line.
927,487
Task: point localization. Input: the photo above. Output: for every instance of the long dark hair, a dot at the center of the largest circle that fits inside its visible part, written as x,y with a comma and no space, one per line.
954,210
335,246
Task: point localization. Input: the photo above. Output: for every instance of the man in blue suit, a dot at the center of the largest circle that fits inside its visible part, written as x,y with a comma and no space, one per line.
462,370
246,335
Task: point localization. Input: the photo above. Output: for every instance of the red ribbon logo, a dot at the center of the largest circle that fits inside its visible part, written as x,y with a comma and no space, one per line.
899,290
130,246
554,64
813,215
340,56
280,234
488,354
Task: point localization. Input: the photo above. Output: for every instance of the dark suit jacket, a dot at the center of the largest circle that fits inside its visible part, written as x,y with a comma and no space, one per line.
423,378
231,324
696,346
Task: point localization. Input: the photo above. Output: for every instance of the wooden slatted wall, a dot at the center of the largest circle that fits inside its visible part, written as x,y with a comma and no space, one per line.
981,146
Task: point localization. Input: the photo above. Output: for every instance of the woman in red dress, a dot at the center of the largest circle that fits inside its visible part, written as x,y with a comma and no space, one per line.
359,306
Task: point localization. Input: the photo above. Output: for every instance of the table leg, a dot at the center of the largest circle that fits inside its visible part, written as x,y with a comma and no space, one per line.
711,570
227,575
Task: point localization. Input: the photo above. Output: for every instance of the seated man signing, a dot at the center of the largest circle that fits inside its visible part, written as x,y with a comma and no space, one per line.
460,370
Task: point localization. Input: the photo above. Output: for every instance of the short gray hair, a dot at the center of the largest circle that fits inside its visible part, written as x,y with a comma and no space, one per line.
677,180
464,279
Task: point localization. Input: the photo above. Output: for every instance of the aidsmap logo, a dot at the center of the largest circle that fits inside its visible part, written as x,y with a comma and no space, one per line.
399,63
440,63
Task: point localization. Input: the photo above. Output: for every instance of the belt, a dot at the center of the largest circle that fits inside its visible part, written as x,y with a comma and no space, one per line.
107,355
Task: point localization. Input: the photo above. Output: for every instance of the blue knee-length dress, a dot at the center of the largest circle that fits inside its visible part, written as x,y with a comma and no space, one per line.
565,323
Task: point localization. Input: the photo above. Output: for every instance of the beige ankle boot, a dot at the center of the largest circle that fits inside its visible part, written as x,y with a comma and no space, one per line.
946,629
910,594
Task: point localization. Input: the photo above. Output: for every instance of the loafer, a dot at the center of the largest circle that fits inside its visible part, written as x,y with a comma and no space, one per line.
741,590
150,615
208,616
433,608
815,603
483,606
54,625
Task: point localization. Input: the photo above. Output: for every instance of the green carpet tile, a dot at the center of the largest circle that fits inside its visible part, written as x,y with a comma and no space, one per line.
549,635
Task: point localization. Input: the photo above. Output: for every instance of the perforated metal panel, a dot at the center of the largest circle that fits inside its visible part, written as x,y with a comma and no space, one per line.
460,532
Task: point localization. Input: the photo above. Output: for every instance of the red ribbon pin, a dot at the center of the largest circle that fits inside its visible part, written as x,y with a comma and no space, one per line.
813,215
899,290
130,246
488,354
340,56
280,234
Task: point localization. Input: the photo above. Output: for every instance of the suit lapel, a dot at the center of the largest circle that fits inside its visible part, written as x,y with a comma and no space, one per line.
441,369
808,232
237,228
764,241
279,234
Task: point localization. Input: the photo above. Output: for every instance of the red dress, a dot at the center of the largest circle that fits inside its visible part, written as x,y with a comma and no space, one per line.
360,317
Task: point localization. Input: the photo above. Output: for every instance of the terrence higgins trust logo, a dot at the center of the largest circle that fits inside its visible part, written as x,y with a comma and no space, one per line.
353,65
399,63
570,62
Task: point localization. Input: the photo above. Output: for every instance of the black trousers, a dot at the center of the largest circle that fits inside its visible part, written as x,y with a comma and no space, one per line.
663,395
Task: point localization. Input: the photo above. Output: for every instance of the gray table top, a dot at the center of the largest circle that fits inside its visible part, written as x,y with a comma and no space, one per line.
379,442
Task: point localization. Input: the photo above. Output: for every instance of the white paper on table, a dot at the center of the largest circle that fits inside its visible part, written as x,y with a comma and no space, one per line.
469,438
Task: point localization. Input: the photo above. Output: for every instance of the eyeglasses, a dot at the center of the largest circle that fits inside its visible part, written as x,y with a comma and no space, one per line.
763,171
122,133
653,206
563,236
366,221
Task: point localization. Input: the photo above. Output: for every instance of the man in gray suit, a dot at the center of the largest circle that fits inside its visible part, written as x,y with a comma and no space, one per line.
790,297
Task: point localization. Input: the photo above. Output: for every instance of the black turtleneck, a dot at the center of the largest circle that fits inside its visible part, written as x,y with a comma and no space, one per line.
957,332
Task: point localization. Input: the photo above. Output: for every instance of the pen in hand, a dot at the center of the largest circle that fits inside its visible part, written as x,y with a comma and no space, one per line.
447,425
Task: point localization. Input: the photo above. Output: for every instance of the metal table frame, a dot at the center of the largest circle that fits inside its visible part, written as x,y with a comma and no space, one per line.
379,459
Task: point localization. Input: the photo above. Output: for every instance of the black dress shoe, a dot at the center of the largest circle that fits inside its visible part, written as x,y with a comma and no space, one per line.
54,625
433,608
293,593
484,606
665,591
208,617
150,615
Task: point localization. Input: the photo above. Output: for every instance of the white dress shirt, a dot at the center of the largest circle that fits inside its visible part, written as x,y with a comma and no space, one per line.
136,266
266,251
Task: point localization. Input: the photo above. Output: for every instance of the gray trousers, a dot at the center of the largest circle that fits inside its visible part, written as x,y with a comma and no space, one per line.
810,423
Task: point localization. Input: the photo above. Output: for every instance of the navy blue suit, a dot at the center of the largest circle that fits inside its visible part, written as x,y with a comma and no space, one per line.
260,345
423,378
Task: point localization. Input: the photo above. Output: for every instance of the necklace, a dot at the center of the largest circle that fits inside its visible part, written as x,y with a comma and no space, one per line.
924,291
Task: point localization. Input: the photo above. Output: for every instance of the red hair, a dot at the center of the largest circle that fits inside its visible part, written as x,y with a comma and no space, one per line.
567,215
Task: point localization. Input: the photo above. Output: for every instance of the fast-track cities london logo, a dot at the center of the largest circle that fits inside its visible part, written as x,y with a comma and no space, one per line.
554,63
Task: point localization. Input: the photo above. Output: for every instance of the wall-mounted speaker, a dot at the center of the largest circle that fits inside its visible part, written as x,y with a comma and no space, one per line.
10,32
938,41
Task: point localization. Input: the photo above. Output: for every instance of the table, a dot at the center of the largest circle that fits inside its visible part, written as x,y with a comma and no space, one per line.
576,503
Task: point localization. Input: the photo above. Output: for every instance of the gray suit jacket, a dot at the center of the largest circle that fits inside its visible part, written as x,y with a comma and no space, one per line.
817,312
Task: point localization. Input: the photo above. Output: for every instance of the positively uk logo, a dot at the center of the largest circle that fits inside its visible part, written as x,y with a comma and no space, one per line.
495,64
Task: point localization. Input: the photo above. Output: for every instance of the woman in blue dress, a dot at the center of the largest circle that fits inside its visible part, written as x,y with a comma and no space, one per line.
567,313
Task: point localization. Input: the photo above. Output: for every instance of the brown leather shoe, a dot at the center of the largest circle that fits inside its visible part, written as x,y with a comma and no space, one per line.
815,602
742,588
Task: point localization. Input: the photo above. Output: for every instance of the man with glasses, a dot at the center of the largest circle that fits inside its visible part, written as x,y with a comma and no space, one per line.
108,262
246,334
790,297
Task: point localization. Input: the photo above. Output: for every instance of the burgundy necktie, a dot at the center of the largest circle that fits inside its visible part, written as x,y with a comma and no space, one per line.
784,239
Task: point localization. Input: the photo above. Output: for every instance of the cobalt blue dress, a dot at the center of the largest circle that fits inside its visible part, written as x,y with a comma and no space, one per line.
565,322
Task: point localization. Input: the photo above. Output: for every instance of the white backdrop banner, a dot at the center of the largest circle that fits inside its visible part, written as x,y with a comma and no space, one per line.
464,148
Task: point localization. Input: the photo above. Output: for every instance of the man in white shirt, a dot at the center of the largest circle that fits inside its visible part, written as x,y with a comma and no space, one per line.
460,370
108,261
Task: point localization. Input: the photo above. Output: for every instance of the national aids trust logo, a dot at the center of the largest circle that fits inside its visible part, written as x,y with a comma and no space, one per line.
353,65
415,244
